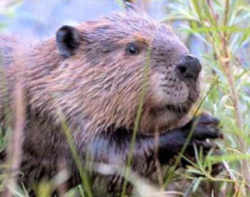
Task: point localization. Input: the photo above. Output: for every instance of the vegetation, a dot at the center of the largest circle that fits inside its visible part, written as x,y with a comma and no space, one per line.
223,29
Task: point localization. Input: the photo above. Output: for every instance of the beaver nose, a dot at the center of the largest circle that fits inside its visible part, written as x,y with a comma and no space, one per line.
189,68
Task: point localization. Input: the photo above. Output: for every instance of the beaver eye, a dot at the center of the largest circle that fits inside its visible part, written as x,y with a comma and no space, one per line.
132,49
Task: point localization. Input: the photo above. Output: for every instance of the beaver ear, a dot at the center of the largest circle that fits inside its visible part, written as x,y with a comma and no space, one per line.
129,5
132,6
67,40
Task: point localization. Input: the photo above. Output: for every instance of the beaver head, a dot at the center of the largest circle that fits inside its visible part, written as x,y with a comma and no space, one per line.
107,65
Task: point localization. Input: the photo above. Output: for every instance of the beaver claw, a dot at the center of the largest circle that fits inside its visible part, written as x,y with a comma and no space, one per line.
203,127
196,133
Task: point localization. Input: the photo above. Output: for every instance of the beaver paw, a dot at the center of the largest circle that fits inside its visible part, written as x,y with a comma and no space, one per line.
195,135
202,130
199,131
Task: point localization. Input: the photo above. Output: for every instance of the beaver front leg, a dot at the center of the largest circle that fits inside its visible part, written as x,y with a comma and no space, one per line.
114,148
116,143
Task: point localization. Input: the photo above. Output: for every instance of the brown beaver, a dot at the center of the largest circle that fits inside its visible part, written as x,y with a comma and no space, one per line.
91,78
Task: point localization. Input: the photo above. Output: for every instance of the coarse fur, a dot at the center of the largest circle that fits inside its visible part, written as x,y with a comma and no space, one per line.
101,69
94,86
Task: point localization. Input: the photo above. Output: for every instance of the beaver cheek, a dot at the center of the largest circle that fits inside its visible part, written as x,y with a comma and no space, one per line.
167,92
171,95
177,94
158,95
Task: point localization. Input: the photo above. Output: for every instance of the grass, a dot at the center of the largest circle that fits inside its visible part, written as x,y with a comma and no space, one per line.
223,28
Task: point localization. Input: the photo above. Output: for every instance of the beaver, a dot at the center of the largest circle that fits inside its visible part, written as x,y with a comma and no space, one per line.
89,80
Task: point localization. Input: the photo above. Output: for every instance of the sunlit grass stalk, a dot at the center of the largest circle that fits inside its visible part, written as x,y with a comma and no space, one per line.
224,58
16,140
137,120
78,161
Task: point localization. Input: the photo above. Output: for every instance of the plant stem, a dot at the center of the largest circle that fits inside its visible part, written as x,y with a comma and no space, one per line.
227,68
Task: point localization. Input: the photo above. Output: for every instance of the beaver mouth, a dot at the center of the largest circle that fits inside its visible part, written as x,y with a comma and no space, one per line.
178,108
183,108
